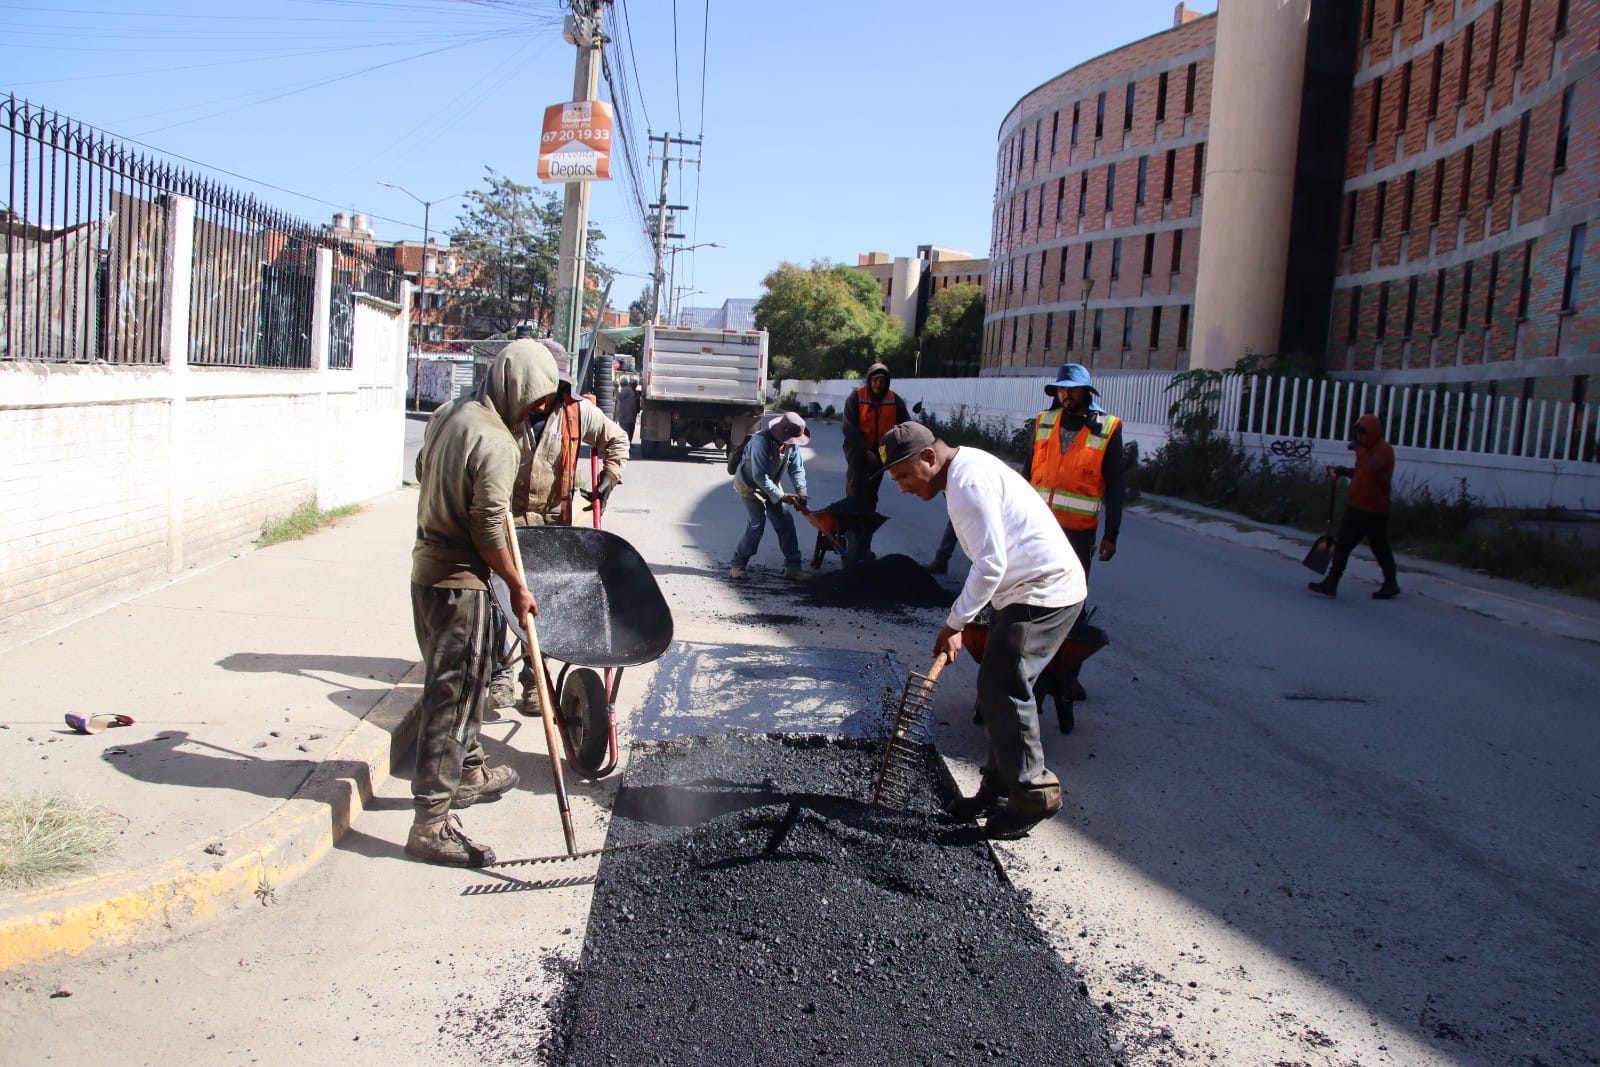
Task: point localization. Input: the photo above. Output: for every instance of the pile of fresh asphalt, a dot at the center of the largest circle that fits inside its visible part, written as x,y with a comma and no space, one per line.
895,581
779,918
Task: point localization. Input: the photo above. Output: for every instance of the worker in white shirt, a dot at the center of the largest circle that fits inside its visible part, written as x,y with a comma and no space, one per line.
1023,567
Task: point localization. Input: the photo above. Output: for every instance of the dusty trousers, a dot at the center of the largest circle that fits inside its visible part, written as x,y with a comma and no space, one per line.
1022,640
454,632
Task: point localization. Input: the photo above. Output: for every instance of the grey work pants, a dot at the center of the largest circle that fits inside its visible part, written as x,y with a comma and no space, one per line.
1022,640
453,631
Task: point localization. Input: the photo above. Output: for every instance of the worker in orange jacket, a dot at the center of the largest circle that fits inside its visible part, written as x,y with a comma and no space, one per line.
1367,506
1076,466
872,411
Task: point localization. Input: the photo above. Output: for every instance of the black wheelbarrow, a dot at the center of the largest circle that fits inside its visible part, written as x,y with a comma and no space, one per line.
1081,642
599,610
844,526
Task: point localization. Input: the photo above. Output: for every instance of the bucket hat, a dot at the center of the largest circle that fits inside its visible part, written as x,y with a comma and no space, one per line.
789,428
1075,376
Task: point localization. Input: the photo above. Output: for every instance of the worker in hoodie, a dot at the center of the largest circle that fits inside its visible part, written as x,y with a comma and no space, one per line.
466,469
872,411
1367,506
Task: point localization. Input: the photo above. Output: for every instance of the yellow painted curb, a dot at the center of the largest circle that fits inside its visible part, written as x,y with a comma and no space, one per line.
121,907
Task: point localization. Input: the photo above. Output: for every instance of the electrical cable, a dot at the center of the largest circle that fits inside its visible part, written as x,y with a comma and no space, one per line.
677,84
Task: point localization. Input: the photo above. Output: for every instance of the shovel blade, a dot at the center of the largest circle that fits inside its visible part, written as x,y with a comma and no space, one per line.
1320,556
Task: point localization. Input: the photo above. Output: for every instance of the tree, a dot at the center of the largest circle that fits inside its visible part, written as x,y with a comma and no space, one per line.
952,334
511,234
824,321
639,311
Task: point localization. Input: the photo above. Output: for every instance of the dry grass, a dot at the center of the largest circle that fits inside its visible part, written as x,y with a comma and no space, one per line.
46,836
303,522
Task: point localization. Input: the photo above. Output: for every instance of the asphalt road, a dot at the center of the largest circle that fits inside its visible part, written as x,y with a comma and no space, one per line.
1297,830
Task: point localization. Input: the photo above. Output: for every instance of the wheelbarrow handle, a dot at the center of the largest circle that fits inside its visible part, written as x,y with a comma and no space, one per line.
552,739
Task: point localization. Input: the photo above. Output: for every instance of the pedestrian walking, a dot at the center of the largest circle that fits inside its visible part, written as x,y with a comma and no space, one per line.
1023,567
870,413
1076,466
547,486
466,469
771,454
627,407
1367,506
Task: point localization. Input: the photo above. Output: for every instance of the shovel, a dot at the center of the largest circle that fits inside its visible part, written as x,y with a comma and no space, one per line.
1321,553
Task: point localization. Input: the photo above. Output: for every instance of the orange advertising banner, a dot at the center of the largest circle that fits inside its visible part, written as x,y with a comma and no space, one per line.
576,145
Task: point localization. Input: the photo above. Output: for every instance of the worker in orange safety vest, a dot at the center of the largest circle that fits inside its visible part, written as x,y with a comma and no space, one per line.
1076,466
872,411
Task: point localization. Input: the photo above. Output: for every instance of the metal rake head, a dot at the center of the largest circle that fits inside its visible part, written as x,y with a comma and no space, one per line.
902,768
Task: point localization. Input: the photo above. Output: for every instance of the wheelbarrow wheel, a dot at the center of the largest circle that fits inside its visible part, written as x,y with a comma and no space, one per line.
586,720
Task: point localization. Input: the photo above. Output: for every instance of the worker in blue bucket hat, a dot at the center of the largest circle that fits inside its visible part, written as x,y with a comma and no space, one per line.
1076,466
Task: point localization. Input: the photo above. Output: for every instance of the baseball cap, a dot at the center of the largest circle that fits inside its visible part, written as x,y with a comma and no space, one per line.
904,441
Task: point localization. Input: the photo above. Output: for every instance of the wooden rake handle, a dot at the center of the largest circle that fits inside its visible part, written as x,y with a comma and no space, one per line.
552,739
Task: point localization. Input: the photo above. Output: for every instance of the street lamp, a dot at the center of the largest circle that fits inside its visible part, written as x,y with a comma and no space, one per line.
422,273
677,302
672,272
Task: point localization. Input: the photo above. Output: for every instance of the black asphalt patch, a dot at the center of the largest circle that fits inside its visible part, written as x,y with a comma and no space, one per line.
779,918
885,583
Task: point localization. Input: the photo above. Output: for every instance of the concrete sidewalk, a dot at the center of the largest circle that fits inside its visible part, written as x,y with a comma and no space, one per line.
267,697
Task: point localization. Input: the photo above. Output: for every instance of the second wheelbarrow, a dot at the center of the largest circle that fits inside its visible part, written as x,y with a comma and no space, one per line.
599,607
844,526
1081,642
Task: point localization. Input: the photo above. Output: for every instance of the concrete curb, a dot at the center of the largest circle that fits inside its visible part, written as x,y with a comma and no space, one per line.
123,907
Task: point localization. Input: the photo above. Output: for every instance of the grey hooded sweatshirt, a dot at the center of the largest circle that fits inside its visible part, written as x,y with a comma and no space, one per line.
468,465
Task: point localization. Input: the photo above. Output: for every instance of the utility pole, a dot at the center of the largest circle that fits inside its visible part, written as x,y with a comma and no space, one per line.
582,30
664,232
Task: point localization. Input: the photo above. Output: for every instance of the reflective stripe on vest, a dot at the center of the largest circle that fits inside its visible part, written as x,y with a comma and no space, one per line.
1073,482
875,419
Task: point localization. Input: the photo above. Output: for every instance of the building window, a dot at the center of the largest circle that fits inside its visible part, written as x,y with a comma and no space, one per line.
1038,222
1406,203
1411,305
1088,258
1138,189
1061,197
1177,251
1015,326
1075,125
1405,97
1438,75
1466,63
1354,324
1172,167
1116,258
1149,253
1025,260
1188,91
1183,325
1494,285
1372,12
1155,326
1083,193
1438,193
1466,295
1111,185
1197,180
1522,31
1564,129
1072,329
1100,117
1030,335
1349,219
1055,123
1466,181
1379,210
1527,282
1438,301
1127,110
1561,18
1161,97
1377,106
1494,166
1049,328
1061,269
1383,310
1522,148
1569,285
1127,328
1099,322
1038,127
1494,33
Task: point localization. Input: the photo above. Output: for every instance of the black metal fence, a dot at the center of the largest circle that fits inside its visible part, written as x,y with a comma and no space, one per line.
85,259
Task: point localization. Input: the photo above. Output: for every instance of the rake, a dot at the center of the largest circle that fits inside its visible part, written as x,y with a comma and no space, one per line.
902,768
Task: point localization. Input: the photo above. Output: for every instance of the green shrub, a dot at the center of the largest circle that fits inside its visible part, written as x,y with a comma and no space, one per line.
304,521
991,435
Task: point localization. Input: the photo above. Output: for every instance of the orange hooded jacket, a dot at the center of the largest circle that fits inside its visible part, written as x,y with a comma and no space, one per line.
1371,478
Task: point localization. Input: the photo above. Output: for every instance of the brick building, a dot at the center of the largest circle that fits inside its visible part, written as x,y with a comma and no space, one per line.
1097,205
908,283
1400,187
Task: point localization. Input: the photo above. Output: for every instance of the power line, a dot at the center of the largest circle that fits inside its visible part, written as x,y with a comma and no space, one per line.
705,45
677,85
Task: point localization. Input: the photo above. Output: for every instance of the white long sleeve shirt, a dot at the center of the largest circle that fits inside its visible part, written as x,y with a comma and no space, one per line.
1019,554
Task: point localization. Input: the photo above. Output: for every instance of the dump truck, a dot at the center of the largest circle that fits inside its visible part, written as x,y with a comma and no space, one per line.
701,386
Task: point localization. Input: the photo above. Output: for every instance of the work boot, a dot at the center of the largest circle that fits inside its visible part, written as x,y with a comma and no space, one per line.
796,574
502,694
738,573
1387,591
1027,807
970,809
441,841
483,783
1325,587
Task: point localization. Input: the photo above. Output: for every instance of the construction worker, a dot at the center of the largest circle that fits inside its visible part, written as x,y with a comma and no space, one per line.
466,469
1021,566
1076,466
547,483
870,413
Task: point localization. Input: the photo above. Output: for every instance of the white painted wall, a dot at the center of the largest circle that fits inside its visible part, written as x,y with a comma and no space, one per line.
119,477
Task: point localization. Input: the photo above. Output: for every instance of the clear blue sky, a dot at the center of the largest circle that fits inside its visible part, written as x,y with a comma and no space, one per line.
830,128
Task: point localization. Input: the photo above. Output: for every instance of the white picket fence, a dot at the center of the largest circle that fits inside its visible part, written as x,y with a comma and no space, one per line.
1510,451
